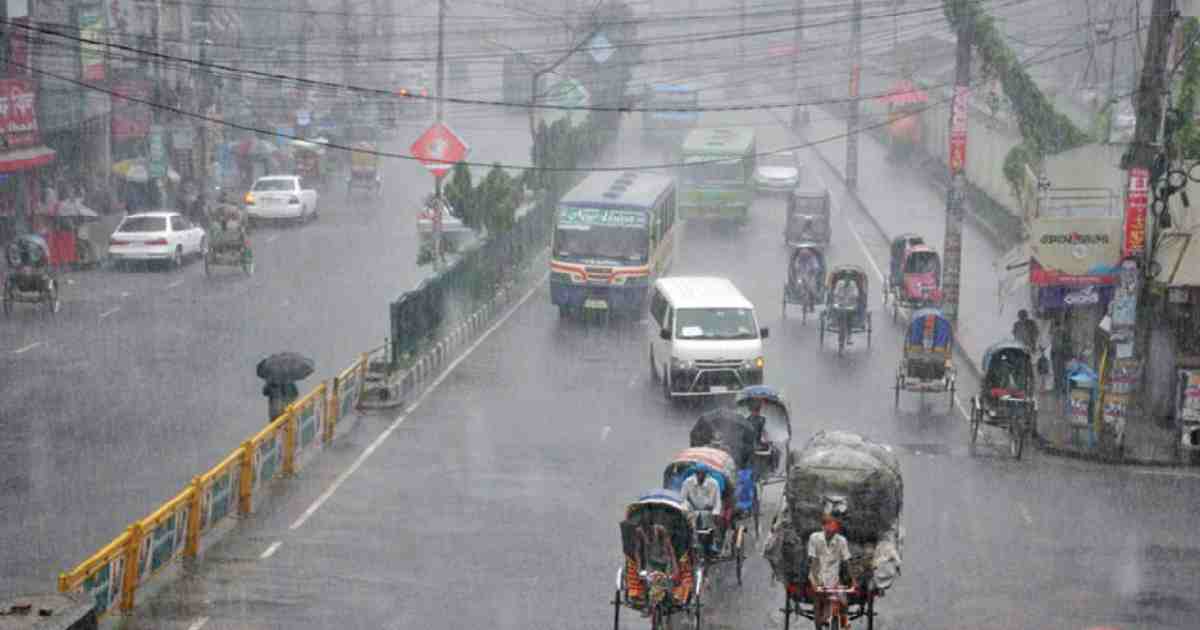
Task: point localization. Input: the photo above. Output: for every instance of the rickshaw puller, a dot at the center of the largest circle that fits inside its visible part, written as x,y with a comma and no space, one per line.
702,495
828,558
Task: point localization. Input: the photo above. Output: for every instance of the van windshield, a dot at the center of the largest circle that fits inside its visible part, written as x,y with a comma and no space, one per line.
715,323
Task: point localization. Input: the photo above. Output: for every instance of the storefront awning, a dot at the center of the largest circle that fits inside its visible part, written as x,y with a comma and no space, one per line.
25,159
1179,256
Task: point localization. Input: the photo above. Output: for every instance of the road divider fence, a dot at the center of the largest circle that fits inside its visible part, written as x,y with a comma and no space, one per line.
181,528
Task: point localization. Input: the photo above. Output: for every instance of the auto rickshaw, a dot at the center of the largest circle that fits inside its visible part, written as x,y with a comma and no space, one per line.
808,210
310,158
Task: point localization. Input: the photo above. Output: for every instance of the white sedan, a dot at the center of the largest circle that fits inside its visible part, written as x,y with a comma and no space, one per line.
281,197
777,172
157,236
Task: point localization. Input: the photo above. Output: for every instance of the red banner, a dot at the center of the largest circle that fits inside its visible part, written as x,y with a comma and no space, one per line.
131,119
18,118
958,129
855,73
18,49
1136,201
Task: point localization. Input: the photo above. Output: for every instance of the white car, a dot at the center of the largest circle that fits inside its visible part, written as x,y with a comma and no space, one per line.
157,236
777,172
281,197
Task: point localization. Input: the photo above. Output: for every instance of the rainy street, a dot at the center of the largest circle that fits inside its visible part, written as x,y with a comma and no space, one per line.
493,497
495,502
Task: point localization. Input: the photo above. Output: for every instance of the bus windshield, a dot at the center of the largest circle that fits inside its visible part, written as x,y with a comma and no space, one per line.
727,172
624,244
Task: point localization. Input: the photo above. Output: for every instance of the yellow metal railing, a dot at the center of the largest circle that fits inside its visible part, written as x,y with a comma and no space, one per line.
176,529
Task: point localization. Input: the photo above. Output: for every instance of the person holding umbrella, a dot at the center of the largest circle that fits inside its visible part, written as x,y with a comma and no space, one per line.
281,371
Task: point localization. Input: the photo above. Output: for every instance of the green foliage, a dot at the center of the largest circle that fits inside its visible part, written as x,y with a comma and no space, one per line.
459,192
1187,139
498,196
1045,130
1014,166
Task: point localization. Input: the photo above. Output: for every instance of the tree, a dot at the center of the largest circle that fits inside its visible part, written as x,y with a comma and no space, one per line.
498,197
460,193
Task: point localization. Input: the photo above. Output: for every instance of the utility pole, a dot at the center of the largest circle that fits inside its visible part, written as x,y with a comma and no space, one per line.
348,47
741,34
852,119
440,108
1132,295
959,117
797,43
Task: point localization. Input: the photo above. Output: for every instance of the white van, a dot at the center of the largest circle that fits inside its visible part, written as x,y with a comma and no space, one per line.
704,337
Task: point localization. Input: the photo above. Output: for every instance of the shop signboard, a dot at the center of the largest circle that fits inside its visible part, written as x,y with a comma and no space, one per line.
1075,251
183,137
1189,396
131,116
128,25
92,28
18,112
158,153
1136,201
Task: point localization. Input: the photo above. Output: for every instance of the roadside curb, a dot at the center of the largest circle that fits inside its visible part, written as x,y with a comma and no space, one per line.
1050,449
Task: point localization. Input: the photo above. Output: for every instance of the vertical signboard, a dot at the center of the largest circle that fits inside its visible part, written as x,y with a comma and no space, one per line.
18,114
958,129
92,35
158,153
1136,201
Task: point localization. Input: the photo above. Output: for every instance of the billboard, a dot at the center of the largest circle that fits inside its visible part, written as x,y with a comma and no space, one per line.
1076,251
18,117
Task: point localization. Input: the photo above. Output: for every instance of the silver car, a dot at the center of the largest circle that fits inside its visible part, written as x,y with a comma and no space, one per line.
777,172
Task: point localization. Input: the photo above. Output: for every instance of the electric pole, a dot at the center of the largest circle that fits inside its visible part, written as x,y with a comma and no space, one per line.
348,48
439,105
797,43
959,117
852,119
741,34
1139,162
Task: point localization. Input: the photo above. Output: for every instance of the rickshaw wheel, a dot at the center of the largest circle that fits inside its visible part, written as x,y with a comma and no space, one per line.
950,398
784,308
899,378
821,332
868,331
976,418
870,613
895,311
758,489
739,552
617,610
208,263
52,302
1017,430
787,609
698,607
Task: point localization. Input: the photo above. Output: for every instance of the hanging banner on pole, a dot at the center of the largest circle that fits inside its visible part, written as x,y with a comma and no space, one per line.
855,74
958,129
1136,201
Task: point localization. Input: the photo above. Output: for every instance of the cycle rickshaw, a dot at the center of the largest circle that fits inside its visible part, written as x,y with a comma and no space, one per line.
721,539
805,281
1007,396
844,319
662,574
30,279
927,366
918,281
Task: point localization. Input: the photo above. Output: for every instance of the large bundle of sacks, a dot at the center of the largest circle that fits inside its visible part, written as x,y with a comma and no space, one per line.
849,474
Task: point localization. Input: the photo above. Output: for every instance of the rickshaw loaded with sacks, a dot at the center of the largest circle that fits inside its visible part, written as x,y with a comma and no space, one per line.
721,538
858,481
926,366
1007,394
662,574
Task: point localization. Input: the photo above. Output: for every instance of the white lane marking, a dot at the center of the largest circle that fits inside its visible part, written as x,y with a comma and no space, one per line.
961,409
175,284
198,623
1025,516
1165,473
271,238
109,312
27,348
604,433
362,458
124,294
866,252
270,550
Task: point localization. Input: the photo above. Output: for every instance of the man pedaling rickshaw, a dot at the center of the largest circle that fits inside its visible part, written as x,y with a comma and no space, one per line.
702,495
829,573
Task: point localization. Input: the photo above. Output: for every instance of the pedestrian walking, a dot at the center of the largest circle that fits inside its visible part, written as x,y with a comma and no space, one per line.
1026,331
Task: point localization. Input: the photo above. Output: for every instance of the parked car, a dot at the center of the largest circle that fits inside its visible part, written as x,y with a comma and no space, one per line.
777,172
281,197
157,236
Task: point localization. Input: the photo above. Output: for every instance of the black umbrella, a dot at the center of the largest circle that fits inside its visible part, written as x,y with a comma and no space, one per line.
284,367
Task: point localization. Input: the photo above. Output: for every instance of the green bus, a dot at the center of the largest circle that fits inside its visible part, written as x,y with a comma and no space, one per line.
718,172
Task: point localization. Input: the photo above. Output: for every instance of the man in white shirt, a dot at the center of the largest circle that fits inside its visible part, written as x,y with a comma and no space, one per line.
702,495
828,555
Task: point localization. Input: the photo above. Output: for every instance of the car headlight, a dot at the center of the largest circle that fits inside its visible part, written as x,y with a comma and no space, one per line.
756,363
681,364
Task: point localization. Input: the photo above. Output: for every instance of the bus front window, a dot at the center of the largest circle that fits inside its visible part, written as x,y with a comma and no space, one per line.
714,172
619,244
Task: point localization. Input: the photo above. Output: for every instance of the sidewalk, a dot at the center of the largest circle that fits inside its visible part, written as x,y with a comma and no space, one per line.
910,202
